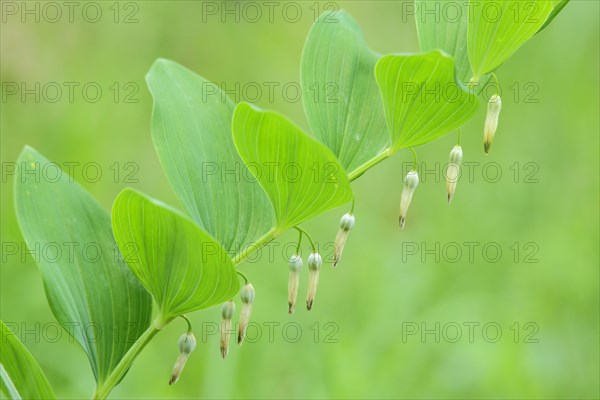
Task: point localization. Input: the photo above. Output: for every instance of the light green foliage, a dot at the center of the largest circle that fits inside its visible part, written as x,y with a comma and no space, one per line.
340,94
191,131
497,29
20,375
177,262
91,291
301,176
437,30
421,98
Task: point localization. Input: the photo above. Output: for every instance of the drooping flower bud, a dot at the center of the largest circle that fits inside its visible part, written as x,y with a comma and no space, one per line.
227,312
410,184
453,170
491,122
314,265
186,344
247,296
346,223
294,281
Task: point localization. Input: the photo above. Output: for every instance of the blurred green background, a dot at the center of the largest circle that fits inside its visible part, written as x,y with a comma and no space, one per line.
372,333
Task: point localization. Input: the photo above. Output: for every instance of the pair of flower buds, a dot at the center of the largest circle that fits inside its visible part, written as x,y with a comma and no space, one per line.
314,266
453,171
489,131
412,181
227,311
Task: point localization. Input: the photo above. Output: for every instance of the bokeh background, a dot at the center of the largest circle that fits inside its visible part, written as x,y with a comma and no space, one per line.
385,323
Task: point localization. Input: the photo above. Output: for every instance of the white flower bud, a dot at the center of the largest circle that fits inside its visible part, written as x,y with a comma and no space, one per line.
346,223
294,281
186,344
296,263
491,122
453,170
227,312
410,184
314,265
247,295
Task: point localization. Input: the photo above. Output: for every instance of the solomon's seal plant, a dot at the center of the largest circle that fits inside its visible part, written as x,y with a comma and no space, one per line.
178,262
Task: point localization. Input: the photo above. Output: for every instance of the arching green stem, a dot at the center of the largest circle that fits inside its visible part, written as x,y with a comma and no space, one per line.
414,158
243,276
299,242
189,323
496,80
312,244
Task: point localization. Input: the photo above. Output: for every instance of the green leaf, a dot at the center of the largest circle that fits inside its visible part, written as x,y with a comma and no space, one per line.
439,30
177,262
191,131
91,291
421,97
301,176
497,29
20,375
558,7
339,92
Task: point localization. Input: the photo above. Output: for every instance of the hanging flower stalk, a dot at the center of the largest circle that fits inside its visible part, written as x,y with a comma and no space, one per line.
247,296
314,265
346,223
410,184
186,345
453,170
491,122
294,281
227,311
